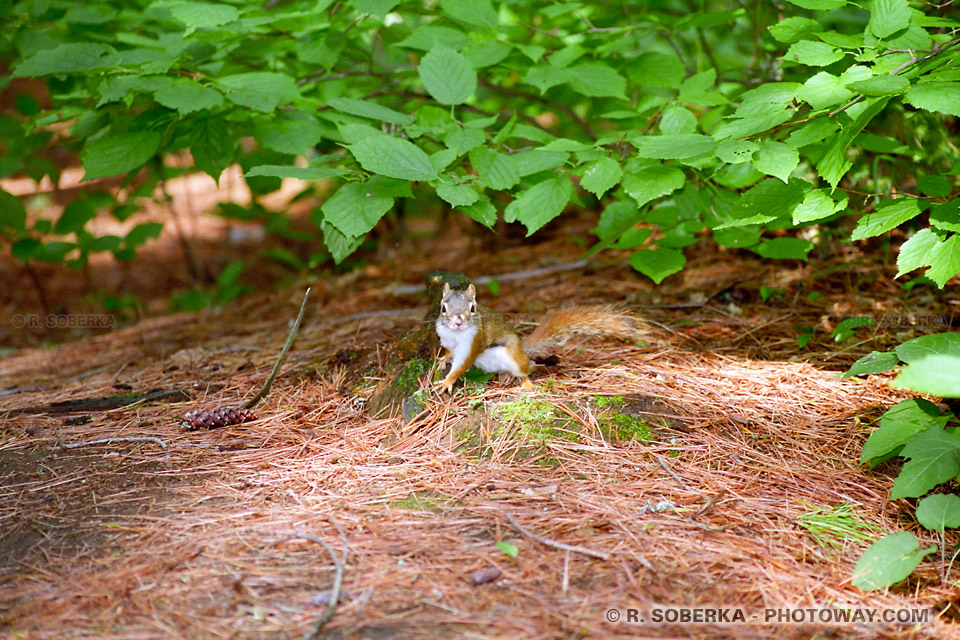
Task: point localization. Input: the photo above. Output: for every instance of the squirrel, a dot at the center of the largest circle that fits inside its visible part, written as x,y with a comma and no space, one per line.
476,335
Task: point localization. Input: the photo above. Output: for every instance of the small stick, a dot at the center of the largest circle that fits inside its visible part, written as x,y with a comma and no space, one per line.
265,389
110,440
337,580
557,545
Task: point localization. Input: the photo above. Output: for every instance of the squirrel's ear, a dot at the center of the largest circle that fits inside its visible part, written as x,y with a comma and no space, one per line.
472,290
446,288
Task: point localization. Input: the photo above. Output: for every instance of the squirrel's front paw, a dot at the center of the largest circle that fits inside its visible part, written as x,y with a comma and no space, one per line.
446,384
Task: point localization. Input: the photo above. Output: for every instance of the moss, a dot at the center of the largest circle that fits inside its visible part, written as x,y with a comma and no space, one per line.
421,501
408,376
615,423
536,420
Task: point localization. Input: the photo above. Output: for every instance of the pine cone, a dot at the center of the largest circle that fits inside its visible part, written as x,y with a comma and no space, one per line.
221,417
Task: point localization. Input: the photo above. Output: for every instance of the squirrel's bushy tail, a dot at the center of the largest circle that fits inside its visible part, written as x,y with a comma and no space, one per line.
558,327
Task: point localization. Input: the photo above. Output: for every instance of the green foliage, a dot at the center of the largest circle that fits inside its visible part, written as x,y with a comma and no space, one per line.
831,527
888,561
668,121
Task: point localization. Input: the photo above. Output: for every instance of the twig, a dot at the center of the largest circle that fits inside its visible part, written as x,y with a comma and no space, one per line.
265,389
337,580
158,441
555,544
587,129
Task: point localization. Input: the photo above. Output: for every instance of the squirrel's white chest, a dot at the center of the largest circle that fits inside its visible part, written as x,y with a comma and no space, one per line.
458,342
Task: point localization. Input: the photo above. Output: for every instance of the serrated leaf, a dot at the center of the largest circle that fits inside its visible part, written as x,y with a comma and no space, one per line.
760,109
939,97
461,141
545,77
203,15
482,211
776,159
834,164
938,512
945,261
379,8
795,28
812,53
118,154
457,195
675,119
541,203
736,151
75,216
888,16
67,58
811,132
536,160
300,173
371,110
393,157
447,75
873,362
655,69
657,264
479,13
819,5
292,136
339,245
601,175
675,147
888,215
824,90
785,249
934,186
935,344
495,169
882,85
487,53
902,422
260,90
427,36
888,561
596,80
616,219
211,145
186,96
917,251
652,182
934,458
946,216
767,201
354,209
816,205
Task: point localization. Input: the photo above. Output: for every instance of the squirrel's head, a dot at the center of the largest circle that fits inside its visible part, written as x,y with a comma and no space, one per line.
457,307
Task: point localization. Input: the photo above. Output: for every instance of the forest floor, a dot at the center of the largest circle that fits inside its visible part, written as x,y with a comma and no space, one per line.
638,484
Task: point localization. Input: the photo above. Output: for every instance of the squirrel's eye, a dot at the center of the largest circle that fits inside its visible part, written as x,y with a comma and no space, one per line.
473,308
443,308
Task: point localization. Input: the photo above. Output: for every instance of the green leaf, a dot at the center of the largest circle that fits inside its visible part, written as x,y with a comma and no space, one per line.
67,58
834,164
934,458
655,69
917,251
291,135
873,362
447,75
935,344
203,15
946,216
888,16
883,85
675,119
657,264
118,154
479,13
902,422
482,211
934,186
736,151
785,249
767,201
393,157
825,89
596,80
675,147
461,141
652,182
541,203
545,77
776,159
260,90
495,169
211,145
812,53
889,214
354,209
601,175
819,5
300,173
939,97
426,37
457,195
507,548
186,96
939,512
372,110
816,205
945,261
339,245
75,216
760,109
811,132
536,160
13,215
616,219
486,53
143,232
795,28
888,561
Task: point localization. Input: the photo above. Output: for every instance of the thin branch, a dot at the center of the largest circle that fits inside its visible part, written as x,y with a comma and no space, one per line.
552,103
557,545
158,441
338,563
265,389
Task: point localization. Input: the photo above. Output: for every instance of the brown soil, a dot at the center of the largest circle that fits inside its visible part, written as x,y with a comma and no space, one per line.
228,533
